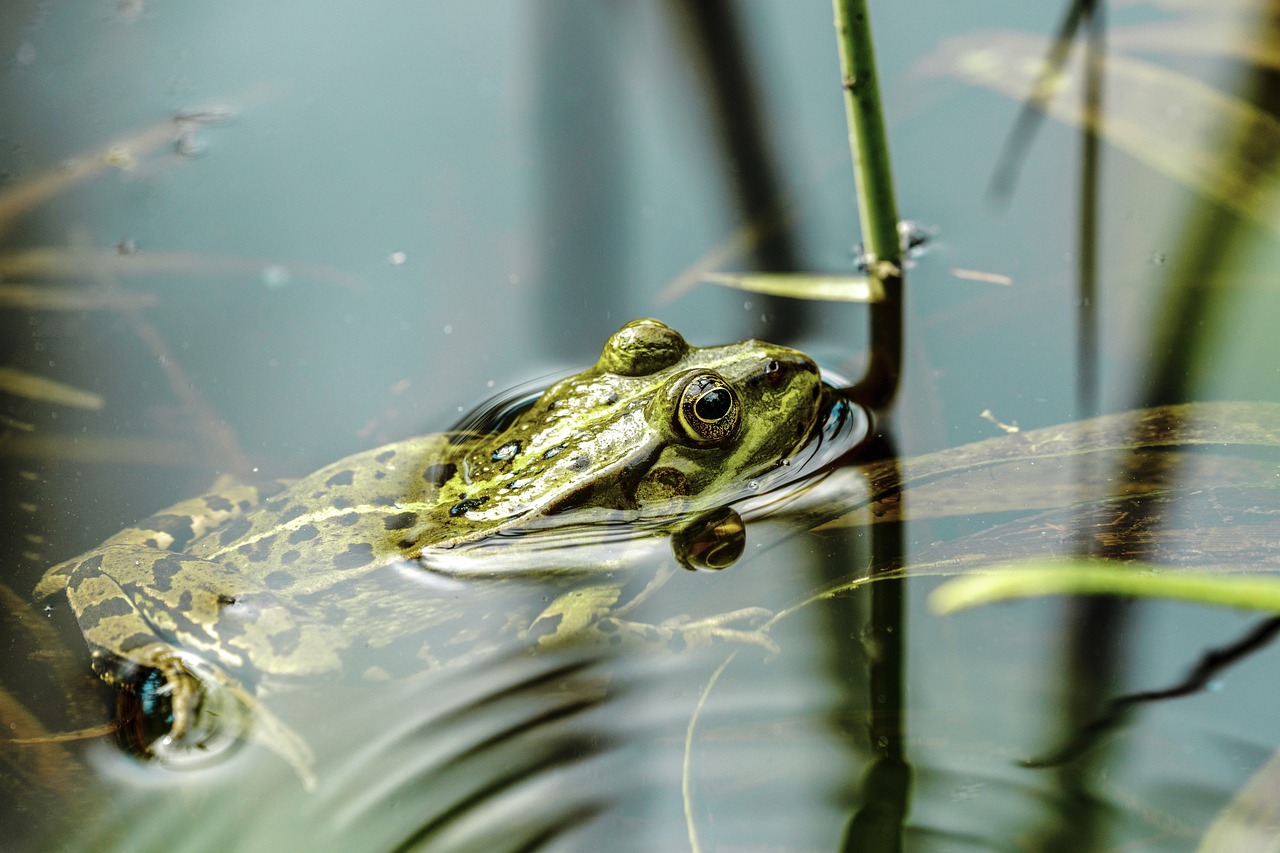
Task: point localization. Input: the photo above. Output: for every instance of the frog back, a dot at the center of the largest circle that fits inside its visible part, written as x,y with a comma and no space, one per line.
344,520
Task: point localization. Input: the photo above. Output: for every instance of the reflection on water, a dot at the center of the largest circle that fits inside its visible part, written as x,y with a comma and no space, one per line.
583,746
469,748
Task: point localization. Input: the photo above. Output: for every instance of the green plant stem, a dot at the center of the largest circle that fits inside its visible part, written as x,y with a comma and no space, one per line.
876,206
867,140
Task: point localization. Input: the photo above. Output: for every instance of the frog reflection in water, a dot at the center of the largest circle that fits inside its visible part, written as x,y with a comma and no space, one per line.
260,588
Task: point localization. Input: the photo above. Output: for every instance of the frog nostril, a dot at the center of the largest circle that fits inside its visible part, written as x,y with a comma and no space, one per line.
773,372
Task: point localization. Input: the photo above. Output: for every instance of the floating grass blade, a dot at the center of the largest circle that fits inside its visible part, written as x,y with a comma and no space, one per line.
832,288
1089,577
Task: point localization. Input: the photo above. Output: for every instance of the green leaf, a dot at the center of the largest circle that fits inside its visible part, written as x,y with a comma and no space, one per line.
1034,579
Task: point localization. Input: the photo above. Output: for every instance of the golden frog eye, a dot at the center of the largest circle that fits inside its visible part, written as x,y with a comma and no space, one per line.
708,411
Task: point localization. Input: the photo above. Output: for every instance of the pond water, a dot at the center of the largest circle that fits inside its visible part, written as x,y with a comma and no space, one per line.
255,239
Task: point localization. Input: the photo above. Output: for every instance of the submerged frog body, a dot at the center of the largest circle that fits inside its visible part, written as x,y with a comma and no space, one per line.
262,587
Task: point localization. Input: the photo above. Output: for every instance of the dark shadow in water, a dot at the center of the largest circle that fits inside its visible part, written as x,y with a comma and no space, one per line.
1120,708
879,822
714,33
1017,145
582,182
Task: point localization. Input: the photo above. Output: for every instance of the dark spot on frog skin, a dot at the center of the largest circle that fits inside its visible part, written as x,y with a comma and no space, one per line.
385,456
278,580
234,531
164,570
379,475
342,478
438,475
295,511
291,556
87,568
580,462
347,519
218,503
340,503
261,550
177,526
136,641
464,506
305,533
400,521
112,607
356,555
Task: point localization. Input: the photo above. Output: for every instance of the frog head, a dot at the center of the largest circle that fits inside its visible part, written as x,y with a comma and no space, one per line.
655,427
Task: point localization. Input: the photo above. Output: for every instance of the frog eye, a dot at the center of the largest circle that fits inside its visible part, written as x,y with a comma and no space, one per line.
708,411
642,348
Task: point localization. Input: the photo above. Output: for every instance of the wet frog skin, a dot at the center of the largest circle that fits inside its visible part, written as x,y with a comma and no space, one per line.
259,587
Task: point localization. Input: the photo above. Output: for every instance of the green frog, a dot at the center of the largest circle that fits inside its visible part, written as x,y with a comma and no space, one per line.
251,587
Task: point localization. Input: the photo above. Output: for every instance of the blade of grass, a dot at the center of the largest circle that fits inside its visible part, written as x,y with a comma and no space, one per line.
1090,577
831,288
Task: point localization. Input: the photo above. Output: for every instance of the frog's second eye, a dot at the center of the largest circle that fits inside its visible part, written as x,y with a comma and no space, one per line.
709,411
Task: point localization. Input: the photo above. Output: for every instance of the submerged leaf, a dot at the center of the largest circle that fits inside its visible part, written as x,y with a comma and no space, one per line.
32,387
831,288
1054,466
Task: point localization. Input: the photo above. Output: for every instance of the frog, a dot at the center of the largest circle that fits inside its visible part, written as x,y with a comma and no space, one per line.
254,586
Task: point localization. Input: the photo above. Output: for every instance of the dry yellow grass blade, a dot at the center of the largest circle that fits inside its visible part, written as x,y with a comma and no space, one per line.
58,262
32,387
830,288
122,155
38,297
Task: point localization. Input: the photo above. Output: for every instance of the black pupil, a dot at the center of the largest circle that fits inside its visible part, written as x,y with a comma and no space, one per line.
713,405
